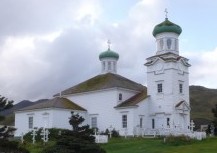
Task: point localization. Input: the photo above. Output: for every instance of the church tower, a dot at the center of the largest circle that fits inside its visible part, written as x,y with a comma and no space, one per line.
168,81
109,60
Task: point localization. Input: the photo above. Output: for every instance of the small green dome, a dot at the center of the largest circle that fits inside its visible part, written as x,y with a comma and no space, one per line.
167,26
109,54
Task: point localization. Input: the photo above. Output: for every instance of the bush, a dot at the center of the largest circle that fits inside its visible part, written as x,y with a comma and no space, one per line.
115,133
78,140
12,147
53,135
178,140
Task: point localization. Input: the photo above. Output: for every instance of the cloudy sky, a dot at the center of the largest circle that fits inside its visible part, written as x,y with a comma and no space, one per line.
49,45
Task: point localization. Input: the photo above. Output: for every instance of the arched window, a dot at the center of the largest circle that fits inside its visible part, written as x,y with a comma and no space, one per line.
161,44
169,43
103,64
109,65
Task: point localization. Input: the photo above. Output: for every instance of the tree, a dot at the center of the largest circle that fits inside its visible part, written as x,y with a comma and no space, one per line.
77,140
214,111
5,131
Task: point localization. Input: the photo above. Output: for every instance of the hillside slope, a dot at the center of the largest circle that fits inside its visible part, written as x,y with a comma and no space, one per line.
202,101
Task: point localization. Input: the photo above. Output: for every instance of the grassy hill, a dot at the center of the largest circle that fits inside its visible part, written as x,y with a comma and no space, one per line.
202,101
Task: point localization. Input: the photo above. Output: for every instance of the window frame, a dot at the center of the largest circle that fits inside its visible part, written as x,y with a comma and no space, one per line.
93,122
180,88
120,96
30,122
159,87
124,121
168,122
141,122
153,123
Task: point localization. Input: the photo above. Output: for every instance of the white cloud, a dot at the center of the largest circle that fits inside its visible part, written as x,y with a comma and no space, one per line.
48,46
203,71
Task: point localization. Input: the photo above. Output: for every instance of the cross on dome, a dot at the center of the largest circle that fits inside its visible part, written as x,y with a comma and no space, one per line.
109,44
166,12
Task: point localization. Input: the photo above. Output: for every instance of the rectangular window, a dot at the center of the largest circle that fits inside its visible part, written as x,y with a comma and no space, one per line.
159,87
94,122
141,122
120,96
31,122
153,124
168,122
180,88
124,121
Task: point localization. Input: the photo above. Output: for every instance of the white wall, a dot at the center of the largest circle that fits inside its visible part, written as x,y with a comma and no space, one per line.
55,118
170,74
101,104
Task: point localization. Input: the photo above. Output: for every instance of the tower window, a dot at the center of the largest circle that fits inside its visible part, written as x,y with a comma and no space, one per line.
161,44
176,45
103,64
159,87
124,121
169,42
120,96
168,122
109,65
180,88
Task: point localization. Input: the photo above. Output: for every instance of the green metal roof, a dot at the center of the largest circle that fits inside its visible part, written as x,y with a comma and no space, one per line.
109,54
167,26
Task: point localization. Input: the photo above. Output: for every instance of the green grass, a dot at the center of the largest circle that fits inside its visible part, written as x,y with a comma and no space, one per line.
140,145
38,147
144,145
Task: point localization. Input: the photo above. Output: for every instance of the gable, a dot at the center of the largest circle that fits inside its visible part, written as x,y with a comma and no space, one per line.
182,105
103,81
133,101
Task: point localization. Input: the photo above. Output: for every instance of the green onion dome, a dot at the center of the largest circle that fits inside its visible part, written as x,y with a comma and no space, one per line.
167,26
109,54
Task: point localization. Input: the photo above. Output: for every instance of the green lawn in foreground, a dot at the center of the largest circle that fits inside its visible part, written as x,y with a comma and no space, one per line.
145,145
140,145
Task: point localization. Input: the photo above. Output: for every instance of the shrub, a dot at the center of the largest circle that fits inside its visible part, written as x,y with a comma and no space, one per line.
12,147
115,133
54,134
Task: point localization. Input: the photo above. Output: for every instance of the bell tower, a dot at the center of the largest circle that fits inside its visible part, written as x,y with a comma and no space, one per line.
168,80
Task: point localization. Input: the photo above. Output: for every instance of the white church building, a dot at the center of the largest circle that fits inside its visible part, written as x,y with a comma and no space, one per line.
111,101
